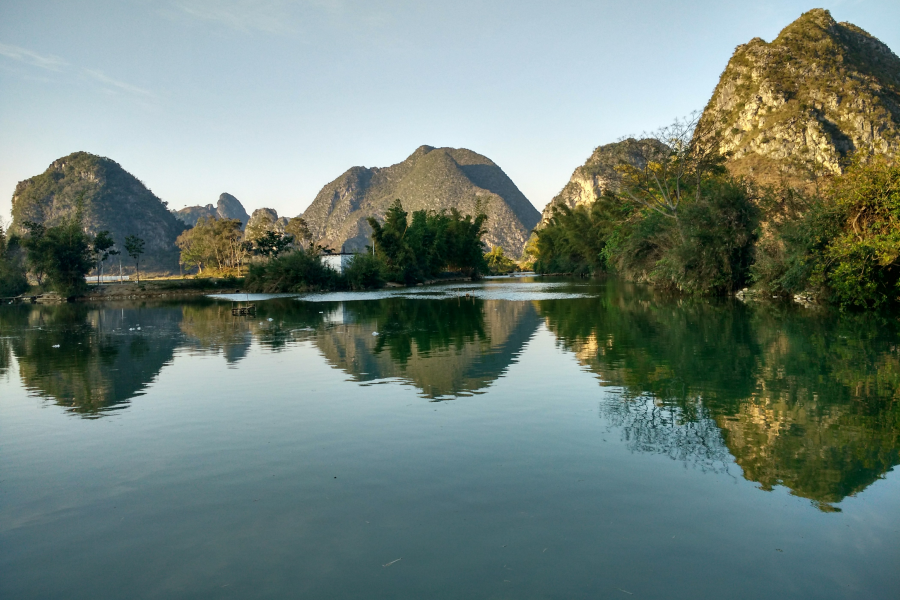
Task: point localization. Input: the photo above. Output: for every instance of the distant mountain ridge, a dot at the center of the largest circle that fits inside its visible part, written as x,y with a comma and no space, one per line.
429,179
804,103
114,200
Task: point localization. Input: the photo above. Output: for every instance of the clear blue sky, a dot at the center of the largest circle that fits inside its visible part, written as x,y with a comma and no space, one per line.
271,99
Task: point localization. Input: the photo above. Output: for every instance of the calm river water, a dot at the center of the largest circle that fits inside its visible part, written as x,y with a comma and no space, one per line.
532,439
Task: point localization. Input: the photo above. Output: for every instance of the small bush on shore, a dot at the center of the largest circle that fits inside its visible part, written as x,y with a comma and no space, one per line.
299,271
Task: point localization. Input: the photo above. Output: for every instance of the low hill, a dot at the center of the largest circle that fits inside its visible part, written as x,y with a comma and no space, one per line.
429,179
114,200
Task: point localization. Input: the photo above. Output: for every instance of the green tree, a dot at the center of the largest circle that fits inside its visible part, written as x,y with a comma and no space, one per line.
38,255
861,264
214,243
298,229
102,248
842,244
12,272
134,246
70,256
431,243
272,243
498,263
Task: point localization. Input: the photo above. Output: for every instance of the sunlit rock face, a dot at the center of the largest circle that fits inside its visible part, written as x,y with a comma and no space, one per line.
598,175
429,179
444,348
798,107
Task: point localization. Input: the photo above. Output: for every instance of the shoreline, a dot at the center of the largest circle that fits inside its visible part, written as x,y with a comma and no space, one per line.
172,289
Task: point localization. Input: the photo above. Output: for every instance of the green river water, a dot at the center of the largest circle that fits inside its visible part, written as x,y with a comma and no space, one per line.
512,438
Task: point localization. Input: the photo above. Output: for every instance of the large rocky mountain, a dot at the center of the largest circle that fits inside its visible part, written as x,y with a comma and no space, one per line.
598,174
432,179
114,200
228,207
801,105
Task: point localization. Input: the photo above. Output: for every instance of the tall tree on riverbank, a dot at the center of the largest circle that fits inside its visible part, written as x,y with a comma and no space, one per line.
102,248
134,246
12,272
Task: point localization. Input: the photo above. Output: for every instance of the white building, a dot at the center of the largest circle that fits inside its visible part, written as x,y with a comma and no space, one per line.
338,262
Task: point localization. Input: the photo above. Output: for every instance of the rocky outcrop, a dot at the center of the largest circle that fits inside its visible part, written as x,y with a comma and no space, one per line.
263,220
598,174
191,214
112,199
430,179
801,106
228,207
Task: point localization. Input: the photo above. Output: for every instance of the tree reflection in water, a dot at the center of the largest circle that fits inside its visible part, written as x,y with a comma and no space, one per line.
802,399
649,426
805,399
87,359
445,348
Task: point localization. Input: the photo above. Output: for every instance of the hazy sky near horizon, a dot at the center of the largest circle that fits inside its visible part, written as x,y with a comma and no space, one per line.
269,100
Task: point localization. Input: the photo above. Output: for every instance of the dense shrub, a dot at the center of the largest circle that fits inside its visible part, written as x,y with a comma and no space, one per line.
364,272
705,246
576,238
843,244
297,271
712,247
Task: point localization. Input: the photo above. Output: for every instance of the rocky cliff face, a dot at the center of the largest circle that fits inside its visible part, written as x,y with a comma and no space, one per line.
598,174
191,214
800,106
430,179
114,200
228,207
263,220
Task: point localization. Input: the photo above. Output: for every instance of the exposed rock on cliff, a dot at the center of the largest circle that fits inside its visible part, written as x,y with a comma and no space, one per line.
431,178
598,174
798,107
263,220
114,200
228,207
191,214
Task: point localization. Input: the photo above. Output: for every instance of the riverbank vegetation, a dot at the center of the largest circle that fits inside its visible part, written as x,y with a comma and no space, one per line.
404,250
682,222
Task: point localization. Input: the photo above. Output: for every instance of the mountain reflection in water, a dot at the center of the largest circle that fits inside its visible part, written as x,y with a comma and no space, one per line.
802,399
807,400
